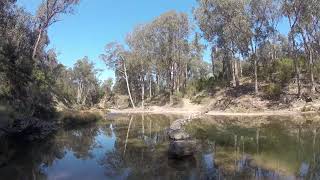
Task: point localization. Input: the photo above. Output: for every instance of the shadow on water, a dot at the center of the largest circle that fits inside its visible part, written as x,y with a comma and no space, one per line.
135,147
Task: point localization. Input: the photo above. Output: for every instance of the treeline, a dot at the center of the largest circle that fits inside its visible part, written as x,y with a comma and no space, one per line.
248,32
162,61
32,81
159,59
165,56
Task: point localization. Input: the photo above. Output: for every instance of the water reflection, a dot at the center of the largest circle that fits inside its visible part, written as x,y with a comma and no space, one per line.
135,147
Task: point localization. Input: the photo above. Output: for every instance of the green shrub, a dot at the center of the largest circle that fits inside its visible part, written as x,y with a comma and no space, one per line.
79,118
191,89
272,91
176,99
283,71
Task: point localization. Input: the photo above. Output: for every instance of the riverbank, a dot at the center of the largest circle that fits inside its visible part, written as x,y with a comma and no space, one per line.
210,113
210,108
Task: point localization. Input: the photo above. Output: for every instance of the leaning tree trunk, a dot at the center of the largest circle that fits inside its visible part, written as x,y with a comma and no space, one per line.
128,86
35,48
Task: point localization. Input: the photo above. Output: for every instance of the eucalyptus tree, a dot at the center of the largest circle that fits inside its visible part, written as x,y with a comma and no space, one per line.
196,67
291,9
48,13
116,58
171,32
263,15
308,27
84,76
225,24
161,50
142,55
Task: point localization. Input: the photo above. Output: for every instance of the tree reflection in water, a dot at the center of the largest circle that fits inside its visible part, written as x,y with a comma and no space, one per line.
135,147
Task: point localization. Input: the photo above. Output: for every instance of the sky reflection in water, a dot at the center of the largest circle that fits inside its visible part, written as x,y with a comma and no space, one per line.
135,147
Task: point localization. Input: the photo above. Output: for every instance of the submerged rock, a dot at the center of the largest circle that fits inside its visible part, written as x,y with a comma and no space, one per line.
182,148
182,164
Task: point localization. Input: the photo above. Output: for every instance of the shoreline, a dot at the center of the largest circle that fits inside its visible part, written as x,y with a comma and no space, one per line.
211,113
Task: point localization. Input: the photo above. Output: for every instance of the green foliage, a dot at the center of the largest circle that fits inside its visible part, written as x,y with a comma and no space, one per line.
283,71
73,118
272,91
177,99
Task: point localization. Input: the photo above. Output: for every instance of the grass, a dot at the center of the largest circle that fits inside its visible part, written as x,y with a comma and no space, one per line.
71,118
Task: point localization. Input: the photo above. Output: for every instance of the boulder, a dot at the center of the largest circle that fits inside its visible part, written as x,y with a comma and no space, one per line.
181,148
178,135
176,125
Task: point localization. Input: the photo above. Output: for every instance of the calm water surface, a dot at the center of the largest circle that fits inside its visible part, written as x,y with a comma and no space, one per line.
135,147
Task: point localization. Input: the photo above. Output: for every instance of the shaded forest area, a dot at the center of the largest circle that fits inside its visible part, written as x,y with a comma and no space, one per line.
163,61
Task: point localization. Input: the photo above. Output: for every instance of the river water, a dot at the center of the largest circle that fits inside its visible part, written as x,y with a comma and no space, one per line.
135,147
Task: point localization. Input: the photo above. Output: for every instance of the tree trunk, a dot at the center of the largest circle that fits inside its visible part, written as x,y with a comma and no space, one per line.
240,65
150,87
213,49
171,83
142,92
256,75
236,72
297,70
35,49
79,93
312,87
127,136
186,78
254,53
128,86
294,55
309,54
233,73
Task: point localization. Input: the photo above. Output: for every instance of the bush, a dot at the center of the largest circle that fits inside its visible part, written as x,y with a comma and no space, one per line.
272,91
282,71
203,84
79,118
176,99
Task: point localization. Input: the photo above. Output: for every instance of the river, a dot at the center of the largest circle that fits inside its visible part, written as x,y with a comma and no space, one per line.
135,147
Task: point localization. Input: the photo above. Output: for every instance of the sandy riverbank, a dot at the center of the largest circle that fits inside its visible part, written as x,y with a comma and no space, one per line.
188,112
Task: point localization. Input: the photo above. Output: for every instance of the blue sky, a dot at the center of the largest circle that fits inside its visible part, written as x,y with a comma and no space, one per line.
97,22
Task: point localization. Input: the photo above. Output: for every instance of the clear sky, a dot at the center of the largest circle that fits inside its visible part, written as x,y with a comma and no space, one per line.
97,22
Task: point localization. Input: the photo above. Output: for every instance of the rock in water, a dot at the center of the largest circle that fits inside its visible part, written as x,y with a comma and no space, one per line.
182,148
176,125
178,135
